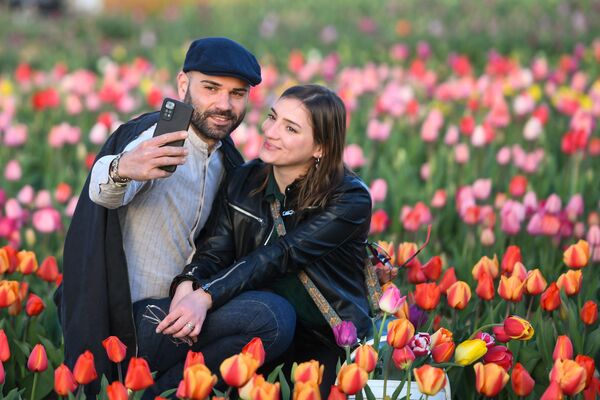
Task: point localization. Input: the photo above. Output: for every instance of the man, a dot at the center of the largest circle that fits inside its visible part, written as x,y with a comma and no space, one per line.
135,225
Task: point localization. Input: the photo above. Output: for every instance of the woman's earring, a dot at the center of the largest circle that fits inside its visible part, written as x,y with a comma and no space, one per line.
317,162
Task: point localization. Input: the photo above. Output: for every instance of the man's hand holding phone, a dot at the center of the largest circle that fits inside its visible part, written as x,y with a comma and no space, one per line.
144,162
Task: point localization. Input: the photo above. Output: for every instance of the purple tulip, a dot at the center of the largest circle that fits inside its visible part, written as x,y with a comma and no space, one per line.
345,334
417,316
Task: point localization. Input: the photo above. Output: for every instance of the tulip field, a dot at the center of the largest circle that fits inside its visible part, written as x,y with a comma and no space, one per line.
474,126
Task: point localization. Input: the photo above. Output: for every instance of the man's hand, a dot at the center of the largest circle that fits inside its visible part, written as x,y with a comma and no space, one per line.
186,315
142,162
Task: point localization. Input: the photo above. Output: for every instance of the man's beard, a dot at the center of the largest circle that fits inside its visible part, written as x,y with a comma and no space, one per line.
200,121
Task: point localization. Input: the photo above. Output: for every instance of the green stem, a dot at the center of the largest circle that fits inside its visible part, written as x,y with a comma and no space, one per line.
378,337
79,391
26,329
484,327
386,369
575,172
34,387
347,348
120,371
408,378
228,392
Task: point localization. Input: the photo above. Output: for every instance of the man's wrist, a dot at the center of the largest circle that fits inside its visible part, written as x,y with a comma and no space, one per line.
113,172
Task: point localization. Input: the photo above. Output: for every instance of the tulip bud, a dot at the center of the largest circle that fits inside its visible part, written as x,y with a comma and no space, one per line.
403,357
518,328
442,346
512,256
138,374
500,334
588,313
64,382
486,265
400,331
85,370
345,334
577,255
563,350
256,349
115,349
352,378
309,371
447,280
391,300
9,293
2,373
552,392
589,365
469,351
37,361
522,383
570,376
430,379
193,358
116,391
427,295
245,391
336,394
27,262
198,382
485,287
433,268
499,355
238,369
511,289
535,282
48,270
265,391
366,357
570,282
490,379
4,347
550,299
459,295
35,305
307,391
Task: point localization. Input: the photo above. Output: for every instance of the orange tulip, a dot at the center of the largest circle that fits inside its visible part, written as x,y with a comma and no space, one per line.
447,280
433,268
309,371
430,379
64,382
245,391
518,328
85,370
366,357
198,381
519,271
265,391
306,391
511,289
238,369
138,374
9,255
490,379
442,345
4,261
352,378
403,357
459,295
512,256
37,361
550,299
193,358
116,391
115,349
577,255
4,347
405,251
400,331
588,313
522,383
570,282
48,270
570,376
27,262
485,286
563,349
589,365
255,349
427,295
35,305
9,293
552,392
535,282
486,265
336,394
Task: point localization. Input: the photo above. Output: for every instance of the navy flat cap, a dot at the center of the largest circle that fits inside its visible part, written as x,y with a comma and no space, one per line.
222,57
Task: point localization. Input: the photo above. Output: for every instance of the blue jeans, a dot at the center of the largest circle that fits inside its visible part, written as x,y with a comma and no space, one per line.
225,332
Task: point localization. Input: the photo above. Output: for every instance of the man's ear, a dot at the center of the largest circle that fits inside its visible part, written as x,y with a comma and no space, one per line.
183,82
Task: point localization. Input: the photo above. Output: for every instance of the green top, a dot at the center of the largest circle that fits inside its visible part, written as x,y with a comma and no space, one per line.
289,286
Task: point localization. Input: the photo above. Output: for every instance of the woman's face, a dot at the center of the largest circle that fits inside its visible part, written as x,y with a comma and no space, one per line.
289,144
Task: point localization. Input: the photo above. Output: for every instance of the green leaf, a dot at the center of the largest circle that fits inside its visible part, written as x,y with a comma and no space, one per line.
15,394
274,374
284,386
369,393
398,390
167,393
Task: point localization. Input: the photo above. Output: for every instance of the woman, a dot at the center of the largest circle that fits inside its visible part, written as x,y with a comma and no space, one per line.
326,211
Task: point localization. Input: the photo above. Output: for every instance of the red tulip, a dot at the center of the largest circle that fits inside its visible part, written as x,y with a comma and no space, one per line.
336,394
490,379
138,374
563,349
499,355
447,280
115,349
2,374
552,392
570,376
433,268
589,365
351,378
35,305
37,361
589,313
238,369
4,347
85,370
427,295
400,331
518,328
550,299
500,334
577,255
48,270
255,349
64,382
116,391
458,295
512,255
193,358
522,383
485,287
442,345
309,371
366,357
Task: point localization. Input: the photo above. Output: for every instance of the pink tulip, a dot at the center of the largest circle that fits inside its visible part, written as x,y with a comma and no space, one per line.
73,105
574,207
46,220
503,156
391,300
461,153
25,195
523,104
452,135
70,209
439,199
353,156
98,133
425,171
487,237
43,199
553,204
15,135
533,129
482,188
378,190
12,171
379,131
13,210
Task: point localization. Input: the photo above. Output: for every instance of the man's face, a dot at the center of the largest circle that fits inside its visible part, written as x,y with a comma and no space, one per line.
219,103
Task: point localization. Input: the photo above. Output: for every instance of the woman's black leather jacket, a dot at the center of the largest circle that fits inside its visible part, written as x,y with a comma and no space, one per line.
328,243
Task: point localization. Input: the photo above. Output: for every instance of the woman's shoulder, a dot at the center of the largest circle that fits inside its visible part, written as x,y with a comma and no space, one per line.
352,182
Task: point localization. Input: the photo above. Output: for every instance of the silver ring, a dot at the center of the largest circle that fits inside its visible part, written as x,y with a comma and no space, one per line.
190,325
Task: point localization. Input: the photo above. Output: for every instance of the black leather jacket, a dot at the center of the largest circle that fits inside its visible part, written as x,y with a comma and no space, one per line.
328,243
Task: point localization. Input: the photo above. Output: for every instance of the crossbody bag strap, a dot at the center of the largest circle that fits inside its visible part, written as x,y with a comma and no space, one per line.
322,304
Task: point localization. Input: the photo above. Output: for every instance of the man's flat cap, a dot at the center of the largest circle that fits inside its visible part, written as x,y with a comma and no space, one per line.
222,57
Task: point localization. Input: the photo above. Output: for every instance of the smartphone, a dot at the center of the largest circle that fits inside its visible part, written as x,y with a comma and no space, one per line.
174,116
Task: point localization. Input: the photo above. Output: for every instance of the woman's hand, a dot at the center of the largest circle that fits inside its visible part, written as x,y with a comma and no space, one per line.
186,314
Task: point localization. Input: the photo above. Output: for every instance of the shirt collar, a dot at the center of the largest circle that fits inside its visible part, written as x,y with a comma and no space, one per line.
272,191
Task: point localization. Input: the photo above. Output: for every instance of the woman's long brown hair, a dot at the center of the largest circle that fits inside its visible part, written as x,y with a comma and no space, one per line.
328,120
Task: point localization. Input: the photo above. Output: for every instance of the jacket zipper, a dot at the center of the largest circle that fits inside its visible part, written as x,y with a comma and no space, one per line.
209,284
246,213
